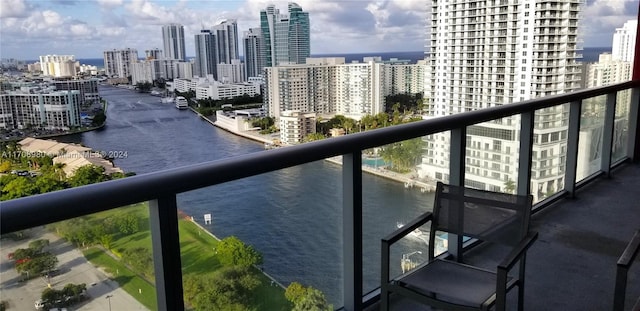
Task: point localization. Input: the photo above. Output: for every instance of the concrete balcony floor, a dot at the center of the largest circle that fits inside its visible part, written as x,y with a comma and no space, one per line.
572,266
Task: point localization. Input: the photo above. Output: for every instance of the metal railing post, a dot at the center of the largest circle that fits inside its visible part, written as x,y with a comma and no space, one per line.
352,229
165,240
456,178
573,134
633,146
526,152
607,133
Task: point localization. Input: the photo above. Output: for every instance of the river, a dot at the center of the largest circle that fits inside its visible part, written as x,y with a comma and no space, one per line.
292,216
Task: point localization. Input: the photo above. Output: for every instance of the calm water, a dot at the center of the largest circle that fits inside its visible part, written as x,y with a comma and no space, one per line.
293,216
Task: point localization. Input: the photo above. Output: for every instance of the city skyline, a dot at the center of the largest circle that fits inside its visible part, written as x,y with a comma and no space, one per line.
363,26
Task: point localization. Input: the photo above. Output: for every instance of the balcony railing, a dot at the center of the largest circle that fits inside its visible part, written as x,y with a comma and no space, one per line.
161,188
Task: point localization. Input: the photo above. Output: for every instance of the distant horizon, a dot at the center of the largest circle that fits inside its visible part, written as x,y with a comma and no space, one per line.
317,54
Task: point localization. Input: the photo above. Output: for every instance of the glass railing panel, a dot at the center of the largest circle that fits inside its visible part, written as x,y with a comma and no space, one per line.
621,126
548,156
93,262
395,191
252,238
590,138
492,155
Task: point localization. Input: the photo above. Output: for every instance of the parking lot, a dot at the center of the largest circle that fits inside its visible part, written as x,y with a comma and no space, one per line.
103,293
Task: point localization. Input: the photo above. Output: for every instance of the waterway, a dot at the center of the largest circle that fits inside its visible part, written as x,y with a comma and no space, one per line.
292,216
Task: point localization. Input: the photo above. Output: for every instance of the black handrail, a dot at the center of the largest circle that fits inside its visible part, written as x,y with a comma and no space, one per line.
23,213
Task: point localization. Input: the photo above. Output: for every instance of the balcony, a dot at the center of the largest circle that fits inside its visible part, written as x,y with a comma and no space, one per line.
584,222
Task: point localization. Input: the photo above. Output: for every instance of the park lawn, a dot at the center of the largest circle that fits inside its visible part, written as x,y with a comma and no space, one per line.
198,257
128,280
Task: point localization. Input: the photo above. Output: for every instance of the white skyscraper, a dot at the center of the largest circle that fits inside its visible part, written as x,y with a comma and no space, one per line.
58,65
173,39
496,52
624,42
117,63
254,58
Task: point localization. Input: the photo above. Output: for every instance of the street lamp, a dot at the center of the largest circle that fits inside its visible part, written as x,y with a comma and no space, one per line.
108,297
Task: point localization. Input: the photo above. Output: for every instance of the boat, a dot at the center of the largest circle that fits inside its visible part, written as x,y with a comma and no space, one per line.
181,103
417,233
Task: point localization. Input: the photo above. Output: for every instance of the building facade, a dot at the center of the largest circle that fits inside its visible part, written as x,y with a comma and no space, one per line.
328,86
59,65
296,125
52,110
286,36
491,53
206,62
624,42
226,41
254,58
153,54
173,40
117,63
232,72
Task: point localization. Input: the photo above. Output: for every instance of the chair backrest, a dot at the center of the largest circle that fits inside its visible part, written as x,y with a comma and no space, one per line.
484,215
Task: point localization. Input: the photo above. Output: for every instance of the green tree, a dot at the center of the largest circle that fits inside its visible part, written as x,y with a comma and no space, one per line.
509,186
37,264
403,156
306,298
17,187
99,118
233,252
230,288
313,137
38,245
140,259
87,174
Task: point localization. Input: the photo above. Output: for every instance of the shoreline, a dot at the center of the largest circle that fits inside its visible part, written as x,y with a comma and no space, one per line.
406,179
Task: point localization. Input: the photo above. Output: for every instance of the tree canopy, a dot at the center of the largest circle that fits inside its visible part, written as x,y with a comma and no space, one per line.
233,252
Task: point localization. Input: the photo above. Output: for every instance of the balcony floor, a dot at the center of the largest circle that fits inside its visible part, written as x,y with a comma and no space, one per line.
572,265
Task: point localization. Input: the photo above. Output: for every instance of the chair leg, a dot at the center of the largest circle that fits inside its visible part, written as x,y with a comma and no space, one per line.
520,296
384,299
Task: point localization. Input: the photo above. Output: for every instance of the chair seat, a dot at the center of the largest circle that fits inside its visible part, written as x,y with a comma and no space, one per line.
458,283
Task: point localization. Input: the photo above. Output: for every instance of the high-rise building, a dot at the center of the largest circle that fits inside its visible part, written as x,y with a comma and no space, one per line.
624,42
173,39
491,53
607,71
117,63
286,36
328,86
58,65
206,54
299,41
254,58
153,54
226,41
231,73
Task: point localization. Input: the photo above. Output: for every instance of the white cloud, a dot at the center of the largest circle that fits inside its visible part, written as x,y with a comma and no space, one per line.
109,4
13,8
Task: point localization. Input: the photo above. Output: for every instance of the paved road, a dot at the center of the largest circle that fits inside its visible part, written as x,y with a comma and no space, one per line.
74,269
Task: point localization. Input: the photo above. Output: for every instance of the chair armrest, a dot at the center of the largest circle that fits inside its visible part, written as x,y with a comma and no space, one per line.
630,252
518,251
395,236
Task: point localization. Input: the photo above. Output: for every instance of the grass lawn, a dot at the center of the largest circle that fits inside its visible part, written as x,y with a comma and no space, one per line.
128,280
198,257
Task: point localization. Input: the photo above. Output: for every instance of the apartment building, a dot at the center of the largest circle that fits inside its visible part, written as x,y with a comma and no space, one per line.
491,53
624,41
59,65
47,109
254,57
330,86
173,41
117,63
286,36
295,126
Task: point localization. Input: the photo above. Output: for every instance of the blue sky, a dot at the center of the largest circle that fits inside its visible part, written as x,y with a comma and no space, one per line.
85,28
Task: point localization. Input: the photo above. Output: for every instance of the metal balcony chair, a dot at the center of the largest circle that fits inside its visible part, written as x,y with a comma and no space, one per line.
622,269
487,217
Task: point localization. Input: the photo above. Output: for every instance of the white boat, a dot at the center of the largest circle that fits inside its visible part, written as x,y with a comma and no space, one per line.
417,233
181,103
